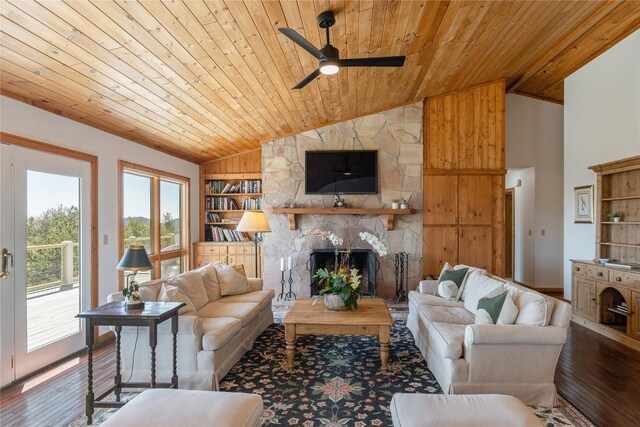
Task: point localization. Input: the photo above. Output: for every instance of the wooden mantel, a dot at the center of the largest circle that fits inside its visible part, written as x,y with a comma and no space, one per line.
390,213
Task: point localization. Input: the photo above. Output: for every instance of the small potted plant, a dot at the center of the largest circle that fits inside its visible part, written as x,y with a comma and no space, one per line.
615,216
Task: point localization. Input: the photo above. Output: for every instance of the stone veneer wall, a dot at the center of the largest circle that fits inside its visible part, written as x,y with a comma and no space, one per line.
397,135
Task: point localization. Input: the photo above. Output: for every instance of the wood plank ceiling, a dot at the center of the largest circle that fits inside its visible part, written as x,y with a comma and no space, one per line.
202,80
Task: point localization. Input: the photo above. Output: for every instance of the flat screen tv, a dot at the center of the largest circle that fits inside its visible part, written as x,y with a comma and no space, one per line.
341,172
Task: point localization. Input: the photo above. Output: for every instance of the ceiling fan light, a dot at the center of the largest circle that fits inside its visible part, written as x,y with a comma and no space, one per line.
329,69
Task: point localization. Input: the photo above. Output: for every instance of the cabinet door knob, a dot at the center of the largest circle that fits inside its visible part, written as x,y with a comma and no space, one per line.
600,274
593,299
618,279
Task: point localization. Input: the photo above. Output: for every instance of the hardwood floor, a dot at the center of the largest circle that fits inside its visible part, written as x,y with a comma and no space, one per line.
600,377
597,375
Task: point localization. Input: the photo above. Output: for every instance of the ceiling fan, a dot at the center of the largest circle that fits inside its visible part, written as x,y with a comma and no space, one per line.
329,56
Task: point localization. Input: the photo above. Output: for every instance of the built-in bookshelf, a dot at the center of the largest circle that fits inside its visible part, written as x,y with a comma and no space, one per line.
225,198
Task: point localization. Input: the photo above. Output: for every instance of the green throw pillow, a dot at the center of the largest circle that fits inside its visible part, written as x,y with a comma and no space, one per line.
493,305
456,276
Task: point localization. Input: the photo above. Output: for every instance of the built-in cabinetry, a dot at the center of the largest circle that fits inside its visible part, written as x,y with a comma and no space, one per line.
239,253
618,190
607,300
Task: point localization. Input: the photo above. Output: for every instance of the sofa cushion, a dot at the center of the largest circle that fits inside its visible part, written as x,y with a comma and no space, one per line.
454,315
210,282
232,282
263,297
534,309
218,331
447,339
497,309
150,291
190,283
476,287
245,311
175,294
433,300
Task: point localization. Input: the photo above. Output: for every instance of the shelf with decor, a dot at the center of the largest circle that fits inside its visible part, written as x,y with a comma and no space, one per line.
606,297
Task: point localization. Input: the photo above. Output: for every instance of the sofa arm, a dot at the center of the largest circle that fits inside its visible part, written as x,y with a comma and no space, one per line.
514,334
428,287
117,296
255,283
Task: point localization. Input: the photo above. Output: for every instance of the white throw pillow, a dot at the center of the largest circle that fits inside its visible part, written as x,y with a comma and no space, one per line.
534,309
447,268
448,289
478,286
170,293
232,282
190,283
210,282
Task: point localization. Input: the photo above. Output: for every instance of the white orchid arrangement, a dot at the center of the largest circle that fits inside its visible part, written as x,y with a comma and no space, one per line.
344,281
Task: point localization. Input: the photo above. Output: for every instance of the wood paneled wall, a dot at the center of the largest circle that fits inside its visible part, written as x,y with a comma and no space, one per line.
245,162
464,187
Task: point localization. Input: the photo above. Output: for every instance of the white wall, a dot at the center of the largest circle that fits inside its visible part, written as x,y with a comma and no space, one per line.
30,122
601,124
534,139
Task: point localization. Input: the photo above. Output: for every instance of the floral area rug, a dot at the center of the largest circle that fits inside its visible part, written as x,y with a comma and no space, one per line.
337,381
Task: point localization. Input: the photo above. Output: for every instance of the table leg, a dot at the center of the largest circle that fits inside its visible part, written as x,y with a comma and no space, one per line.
118,378
153,341
174,330
385,332
290,337
89,399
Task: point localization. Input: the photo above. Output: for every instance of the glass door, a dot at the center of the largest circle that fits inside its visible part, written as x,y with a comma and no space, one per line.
46,280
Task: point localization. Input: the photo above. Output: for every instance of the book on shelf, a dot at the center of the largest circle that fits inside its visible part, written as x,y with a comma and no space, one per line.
221,234
222,187
250,204
624,266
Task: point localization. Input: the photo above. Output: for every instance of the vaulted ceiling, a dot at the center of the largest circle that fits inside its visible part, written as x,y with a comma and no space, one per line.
201,80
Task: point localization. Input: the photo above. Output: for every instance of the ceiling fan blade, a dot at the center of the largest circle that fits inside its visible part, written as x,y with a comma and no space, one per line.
384,61
302,42
307,80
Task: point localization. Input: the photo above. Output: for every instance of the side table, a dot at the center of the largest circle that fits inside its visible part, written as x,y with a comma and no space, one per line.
115,314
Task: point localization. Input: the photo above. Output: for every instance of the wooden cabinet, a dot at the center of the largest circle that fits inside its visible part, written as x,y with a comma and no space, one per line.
238,253
607,300
618,190
584,297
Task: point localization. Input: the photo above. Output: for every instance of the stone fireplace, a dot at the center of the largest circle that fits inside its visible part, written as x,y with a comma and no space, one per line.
397,136
362,259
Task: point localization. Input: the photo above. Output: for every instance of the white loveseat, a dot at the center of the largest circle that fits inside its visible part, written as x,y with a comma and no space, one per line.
210,342
518,360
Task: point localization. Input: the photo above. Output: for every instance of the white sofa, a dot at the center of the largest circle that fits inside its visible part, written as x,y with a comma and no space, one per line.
466,358
209,343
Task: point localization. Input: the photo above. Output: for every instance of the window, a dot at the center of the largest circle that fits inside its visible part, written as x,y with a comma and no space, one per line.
154,213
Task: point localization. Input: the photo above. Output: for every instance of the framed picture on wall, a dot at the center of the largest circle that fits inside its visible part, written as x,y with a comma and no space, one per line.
583,204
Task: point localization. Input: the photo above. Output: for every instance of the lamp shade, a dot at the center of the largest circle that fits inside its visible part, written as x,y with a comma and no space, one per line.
253,222
135,259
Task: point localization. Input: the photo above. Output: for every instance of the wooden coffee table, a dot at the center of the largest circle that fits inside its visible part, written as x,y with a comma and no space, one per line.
371,318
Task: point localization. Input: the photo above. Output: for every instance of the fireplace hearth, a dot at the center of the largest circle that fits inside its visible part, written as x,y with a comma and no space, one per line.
362,259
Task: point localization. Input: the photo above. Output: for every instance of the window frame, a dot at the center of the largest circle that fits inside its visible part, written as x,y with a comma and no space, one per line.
158,256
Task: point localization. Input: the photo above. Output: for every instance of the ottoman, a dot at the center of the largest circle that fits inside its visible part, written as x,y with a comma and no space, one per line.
452,410
164,407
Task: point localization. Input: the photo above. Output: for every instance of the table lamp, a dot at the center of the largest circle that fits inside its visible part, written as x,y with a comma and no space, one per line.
135,259
254,222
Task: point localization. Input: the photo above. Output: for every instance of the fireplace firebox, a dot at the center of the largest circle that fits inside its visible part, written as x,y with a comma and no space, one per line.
362,259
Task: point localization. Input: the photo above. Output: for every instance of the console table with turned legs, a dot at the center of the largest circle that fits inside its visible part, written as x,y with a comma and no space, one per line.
115,314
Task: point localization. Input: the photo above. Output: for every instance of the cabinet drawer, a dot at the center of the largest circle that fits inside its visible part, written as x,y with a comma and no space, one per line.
598,273
579,269
623,278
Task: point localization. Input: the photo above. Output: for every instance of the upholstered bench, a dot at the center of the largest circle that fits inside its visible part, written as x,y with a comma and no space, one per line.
463,410
163,407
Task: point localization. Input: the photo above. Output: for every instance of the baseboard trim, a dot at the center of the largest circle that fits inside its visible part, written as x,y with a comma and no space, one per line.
607,332
539,289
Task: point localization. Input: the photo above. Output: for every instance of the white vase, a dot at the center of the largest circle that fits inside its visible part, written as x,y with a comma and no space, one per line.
616,219
334,302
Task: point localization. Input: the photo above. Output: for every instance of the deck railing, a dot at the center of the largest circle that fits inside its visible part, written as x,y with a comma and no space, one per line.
52,266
